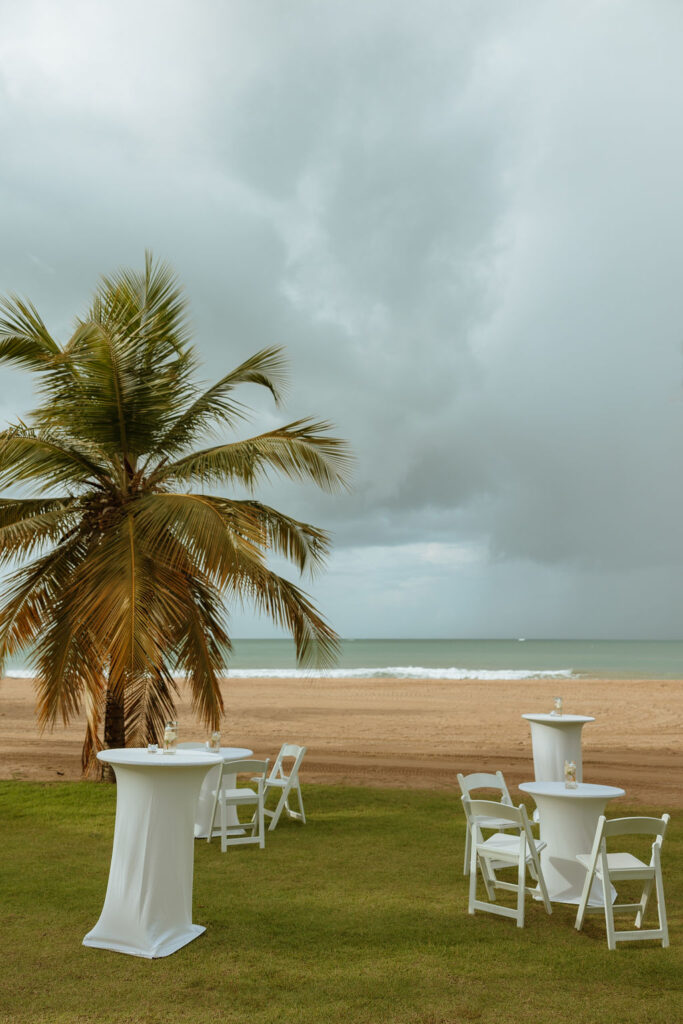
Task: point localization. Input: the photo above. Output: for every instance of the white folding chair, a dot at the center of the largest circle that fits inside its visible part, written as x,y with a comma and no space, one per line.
611,868
484,780
233,835
285,781
499,850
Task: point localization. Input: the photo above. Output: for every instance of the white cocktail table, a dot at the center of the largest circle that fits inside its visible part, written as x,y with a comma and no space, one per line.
568,820
554,740
148,907
202,821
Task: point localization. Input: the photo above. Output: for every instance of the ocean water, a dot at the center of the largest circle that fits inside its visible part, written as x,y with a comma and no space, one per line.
462,659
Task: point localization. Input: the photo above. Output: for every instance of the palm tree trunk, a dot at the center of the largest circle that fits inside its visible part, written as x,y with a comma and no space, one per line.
114,721
114,728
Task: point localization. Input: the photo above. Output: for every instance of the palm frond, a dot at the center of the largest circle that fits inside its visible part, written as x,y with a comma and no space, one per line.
24,338
266,368
317,644
27,525
32,594
27,454
68,663
301,451
92,743
214,539
202,651
150,307
150,703
21,510
304,545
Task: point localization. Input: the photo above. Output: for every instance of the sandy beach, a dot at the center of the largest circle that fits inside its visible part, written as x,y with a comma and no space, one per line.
405,733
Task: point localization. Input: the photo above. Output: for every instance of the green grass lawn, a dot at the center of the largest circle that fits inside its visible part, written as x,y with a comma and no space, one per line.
360,916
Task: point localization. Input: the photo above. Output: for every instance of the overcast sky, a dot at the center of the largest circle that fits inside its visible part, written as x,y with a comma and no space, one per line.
464,220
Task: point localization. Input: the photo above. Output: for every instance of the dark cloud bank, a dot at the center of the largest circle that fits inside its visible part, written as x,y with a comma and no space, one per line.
462,219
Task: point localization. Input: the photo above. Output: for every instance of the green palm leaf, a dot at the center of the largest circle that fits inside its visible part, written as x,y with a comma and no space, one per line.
26,454
24,338
214,406
29,525
301,451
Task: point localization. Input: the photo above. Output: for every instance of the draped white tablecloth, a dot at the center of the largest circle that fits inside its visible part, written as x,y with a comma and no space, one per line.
148,906
568,819
554,740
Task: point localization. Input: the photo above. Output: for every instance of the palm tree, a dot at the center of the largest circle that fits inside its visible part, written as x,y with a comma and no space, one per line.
123,568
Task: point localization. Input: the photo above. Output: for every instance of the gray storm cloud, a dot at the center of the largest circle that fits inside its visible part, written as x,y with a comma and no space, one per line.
462,221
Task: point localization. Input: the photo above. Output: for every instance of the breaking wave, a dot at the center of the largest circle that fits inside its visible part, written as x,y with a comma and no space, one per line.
390,672
400,672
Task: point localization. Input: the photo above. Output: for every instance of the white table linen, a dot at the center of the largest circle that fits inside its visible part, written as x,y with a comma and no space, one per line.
568,819
202,821
148,906
554,740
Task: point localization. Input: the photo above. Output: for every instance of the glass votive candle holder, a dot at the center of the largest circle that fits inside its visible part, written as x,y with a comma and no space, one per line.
214,741
170,737
557,706
152,748
570,775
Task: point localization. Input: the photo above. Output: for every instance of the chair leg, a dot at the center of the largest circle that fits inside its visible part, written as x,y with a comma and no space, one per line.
644,900
261,828
521,889
224,826
278,811
609,913
473,880
302,813
583,903
291,813
489,876
466,864
213,814
661,910
537,872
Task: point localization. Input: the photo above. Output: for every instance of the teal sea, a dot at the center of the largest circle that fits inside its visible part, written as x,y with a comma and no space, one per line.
463,659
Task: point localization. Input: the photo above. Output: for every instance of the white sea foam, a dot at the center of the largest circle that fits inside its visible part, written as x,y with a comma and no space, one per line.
391,672
399,672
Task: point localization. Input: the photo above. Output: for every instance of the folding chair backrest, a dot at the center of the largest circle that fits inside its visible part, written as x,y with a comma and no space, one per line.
287,750
242,767
492,809
484,780
636,826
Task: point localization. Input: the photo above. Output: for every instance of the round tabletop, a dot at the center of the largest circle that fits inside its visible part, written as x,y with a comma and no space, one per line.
582,791
559,719
234,753
139,756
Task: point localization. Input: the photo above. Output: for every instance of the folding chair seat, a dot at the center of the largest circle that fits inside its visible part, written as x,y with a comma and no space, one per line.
520,851
285,781
484,780
611,868
243,796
